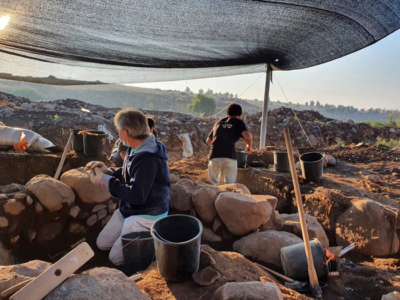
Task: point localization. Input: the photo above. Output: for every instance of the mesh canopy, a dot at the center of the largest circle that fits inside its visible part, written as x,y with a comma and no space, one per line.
153,40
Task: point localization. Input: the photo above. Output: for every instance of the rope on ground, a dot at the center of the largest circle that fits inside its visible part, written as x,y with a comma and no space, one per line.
236,97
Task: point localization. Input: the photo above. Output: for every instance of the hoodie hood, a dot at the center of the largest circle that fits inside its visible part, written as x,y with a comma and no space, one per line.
152,145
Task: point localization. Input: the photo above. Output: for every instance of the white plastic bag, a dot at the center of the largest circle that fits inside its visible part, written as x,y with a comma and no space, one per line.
41,144
186,144
10,136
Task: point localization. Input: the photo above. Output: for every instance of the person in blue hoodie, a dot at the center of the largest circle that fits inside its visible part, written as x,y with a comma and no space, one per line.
142,184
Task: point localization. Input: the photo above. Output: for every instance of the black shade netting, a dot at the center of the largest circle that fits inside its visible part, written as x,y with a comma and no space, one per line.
149,40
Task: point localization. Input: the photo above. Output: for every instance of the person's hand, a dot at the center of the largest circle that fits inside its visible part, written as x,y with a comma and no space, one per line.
96,175
249,149
97,164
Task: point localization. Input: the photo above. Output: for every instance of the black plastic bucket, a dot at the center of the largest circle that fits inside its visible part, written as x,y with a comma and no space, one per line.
94,143
312,166
281,161
241,156
177,244
77,141
138,251
294,261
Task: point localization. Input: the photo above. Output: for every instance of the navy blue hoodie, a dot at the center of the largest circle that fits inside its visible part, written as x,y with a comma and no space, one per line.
142,183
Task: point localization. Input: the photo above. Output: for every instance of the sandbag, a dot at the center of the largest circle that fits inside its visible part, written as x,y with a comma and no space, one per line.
186,144
10,136
41,144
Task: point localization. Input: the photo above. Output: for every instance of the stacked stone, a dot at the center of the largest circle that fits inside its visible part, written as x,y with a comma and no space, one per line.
248,223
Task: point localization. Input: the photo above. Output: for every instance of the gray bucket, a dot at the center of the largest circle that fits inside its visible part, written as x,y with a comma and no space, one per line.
294,261
241,156
312,166
281,161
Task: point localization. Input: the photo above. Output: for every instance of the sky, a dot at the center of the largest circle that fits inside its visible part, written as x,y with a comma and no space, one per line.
367,78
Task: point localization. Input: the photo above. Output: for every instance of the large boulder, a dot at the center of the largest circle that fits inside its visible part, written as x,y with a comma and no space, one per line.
367,224
291,223
181,197
204,202
266,245
85,189
392,296
235,187
248,290
98,283
240,213
51,193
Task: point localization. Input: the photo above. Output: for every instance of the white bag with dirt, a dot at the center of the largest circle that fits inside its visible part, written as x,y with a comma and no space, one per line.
186,144
10,136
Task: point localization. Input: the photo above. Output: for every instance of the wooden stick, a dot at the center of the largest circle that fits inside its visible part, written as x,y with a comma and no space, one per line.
312,273
275,273
64,155
38,288
15,288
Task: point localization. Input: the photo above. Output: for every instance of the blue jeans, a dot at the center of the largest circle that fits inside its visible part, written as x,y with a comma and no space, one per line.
227,165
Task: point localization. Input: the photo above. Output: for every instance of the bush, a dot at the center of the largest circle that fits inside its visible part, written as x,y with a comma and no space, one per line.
390,144
203,104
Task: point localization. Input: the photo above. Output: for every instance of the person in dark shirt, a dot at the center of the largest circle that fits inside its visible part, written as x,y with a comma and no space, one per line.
142,184
222,139
118,152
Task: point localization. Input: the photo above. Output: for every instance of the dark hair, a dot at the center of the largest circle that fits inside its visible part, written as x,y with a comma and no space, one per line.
151,122
234,110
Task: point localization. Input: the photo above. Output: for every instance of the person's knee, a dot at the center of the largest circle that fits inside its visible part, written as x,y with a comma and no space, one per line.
103,243
116,257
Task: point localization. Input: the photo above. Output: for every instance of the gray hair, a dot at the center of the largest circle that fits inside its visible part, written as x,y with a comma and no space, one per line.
133,121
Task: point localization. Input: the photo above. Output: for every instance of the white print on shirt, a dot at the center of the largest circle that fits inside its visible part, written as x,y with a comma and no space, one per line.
229,126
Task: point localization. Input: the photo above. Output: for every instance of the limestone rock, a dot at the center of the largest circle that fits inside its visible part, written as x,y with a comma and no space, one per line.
112,207
5,259
76,227
240,213
217,224
266,245
51,193
392,296
181,197
74,211
101,214
11,188
274,222
3,197
79,181
209,236
49,231
98,283
173,178
235,187
38,208
98,207
29,200
31,235
20,196
367,224
14,274
13,207
252,290
329,161
204,202
291,223
313,140
207,276
3,222
91,220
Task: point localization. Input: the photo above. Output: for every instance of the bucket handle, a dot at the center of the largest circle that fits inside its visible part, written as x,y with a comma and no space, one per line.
159,236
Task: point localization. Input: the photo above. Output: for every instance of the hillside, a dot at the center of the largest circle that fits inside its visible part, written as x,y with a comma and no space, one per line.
112,96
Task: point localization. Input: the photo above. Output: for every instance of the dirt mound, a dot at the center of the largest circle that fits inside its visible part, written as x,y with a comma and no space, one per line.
365,154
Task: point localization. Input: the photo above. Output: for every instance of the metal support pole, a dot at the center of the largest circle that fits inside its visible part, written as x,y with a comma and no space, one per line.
263,133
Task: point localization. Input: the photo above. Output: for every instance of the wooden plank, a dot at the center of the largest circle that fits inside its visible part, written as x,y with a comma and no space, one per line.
43,284
64,155
312,273
12,290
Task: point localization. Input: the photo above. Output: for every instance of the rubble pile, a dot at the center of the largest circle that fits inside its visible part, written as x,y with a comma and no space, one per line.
54,119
